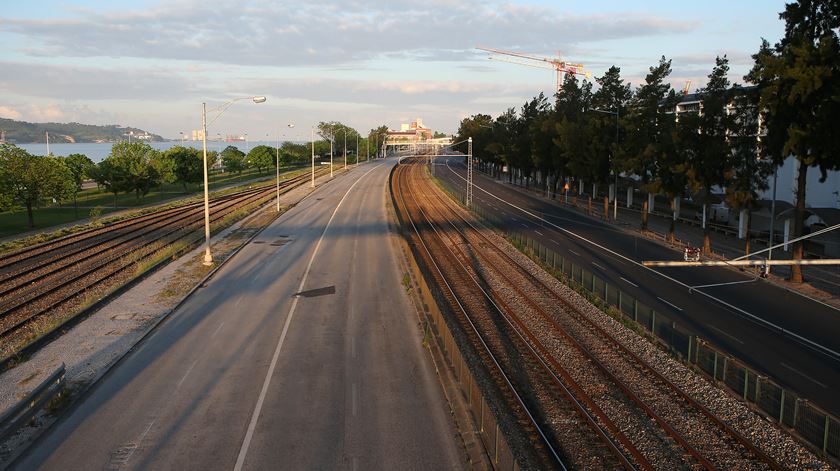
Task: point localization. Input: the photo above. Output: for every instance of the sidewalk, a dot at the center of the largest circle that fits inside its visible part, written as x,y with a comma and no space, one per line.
821,282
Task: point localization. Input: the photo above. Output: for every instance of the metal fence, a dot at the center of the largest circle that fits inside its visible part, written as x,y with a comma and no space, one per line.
816,426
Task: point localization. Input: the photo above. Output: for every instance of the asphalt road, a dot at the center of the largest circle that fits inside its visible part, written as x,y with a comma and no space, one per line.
789,337
247,375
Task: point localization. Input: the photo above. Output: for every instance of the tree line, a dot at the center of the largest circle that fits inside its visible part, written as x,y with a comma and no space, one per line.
30,181
788,107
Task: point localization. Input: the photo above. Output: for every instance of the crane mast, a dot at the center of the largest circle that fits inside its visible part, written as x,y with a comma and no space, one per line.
559,65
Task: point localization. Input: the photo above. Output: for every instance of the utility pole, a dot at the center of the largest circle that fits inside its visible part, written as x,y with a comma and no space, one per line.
469,173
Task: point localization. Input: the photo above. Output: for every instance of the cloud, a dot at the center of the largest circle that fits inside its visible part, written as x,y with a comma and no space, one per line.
325,32
9,113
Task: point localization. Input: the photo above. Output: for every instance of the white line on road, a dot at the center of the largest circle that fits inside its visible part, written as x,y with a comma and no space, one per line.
353,347
217,330
598,266
238,300
802,374
629,282
523,225
246,443
572,251
725,333
185,375
354,399
538,232
666,302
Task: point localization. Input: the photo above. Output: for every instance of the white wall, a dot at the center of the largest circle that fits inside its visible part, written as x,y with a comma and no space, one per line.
817,195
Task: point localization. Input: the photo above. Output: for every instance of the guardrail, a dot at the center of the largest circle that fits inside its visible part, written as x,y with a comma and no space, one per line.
18,415
814,425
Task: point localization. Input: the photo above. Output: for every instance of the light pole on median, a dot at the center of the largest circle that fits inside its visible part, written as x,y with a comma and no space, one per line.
313,158
345,148
356,162
208,258
616,113
331,158
277,166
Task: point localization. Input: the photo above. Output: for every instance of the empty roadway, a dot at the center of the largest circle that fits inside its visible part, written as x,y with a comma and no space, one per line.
249,375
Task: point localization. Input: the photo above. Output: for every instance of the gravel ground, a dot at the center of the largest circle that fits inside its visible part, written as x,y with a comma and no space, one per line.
90,348
766,435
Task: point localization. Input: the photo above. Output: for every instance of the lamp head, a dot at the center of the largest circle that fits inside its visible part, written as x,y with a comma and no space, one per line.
258,99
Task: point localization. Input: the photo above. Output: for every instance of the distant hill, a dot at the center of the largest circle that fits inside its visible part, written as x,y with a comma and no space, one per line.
23,132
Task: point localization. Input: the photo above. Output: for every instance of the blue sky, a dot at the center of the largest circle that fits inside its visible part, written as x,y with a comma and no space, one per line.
150,64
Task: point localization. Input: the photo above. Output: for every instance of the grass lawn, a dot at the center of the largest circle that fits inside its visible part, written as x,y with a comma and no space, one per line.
15,222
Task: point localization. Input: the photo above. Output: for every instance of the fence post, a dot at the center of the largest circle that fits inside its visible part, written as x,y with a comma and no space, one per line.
782,407
653,322
723,376
714,370
690,337
746,382
825,435
635,309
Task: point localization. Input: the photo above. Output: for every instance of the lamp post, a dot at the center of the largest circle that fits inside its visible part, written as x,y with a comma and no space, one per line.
277,165
345,148
331,158
313,157
615,170
357,150
208,258
182,138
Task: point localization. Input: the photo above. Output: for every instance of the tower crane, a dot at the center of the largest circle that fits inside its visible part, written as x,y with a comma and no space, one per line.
560,66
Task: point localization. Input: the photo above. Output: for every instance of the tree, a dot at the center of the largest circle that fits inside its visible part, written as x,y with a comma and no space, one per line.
262,157
233,160
799,87
648,146
110,176
29,180
133,167
611,100
703,141
376,137
479,128
187,162
746,174
573,139
81,168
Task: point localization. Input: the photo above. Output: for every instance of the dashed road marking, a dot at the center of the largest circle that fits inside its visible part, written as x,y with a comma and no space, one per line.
185,375
538,232
629,282
217,330
727,334
572,251
670,304
803,375
598,266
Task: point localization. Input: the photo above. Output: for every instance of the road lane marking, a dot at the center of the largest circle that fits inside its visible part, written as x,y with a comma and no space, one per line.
353,347
186,374
572,251
523,225
833,354
246,442
538,232
725,333
238,300
598,266
803,374
354,399
217,330
666,302
629,282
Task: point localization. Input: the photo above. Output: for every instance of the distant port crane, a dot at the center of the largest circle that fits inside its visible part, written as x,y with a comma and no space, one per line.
559,65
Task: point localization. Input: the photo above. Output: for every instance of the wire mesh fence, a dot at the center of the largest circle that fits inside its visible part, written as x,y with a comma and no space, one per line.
819,428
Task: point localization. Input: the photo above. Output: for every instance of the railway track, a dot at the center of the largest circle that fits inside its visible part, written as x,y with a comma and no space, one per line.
50,280
655,424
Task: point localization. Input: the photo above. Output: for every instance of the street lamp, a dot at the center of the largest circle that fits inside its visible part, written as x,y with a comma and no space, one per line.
345,148
615,170
182,138
208,258
313,157
357,150
277,166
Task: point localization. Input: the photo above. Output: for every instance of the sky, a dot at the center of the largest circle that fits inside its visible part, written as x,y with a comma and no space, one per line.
151,64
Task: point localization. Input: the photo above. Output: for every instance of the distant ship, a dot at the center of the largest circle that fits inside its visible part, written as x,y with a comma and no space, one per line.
230,138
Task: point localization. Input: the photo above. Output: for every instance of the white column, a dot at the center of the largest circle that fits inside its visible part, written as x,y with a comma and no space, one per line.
594,190
651,200
630,197
676,207
703,221
742,224
612,192
580,187
787,234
